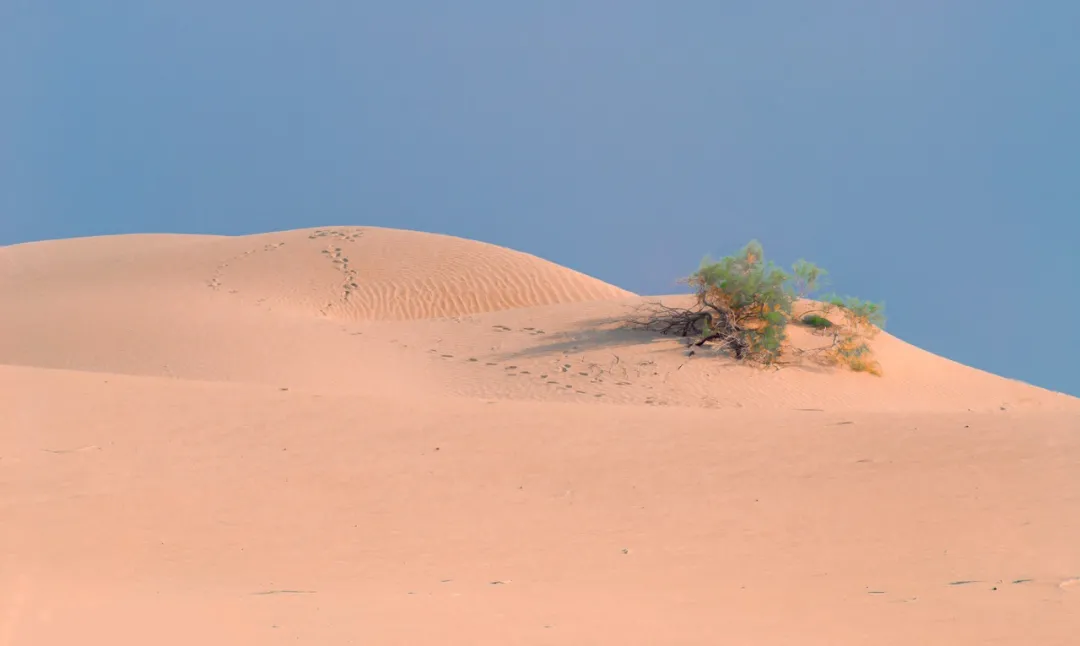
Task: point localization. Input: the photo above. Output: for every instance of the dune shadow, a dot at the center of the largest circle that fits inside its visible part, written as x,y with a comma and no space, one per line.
592,335
615,332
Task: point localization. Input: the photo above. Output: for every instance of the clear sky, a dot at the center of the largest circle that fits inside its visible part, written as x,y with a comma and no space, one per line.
926,152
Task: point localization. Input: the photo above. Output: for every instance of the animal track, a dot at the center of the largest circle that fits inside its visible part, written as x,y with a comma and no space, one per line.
216,283
986,585
334,233
341,262
573,371
338,258
529,330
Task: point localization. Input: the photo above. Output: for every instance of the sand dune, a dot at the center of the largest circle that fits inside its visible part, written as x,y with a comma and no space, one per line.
347,273
364,435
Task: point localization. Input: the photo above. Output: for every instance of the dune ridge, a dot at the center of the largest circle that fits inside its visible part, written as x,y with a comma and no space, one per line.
356,273
305,308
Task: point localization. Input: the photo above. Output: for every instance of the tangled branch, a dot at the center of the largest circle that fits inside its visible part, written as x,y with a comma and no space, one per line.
708,322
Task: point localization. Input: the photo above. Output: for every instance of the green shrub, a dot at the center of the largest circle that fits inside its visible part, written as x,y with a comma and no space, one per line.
816,321
744,304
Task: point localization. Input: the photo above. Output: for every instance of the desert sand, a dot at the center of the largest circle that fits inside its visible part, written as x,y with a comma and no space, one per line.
358,435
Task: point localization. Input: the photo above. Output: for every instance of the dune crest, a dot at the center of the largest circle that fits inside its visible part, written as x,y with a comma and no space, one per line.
392,274
348,273
367,309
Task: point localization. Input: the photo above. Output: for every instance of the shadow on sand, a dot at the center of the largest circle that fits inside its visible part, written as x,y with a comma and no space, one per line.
592,335
615,332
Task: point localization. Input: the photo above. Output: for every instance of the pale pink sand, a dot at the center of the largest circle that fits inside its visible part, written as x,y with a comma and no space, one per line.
202,440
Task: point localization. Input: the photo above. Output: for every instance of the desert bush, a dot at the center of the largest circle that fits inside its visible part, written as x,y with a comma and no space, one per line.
816,321
744,306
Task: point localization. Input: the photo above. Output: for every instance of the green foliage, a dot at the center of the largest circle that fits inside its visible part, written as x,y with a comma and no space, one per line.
808,277
752,300
817,321
750,303
746,279
873,313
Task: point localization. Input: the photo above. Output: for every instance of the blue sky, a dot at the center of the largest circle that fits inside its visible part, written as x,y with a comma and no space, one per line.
926,153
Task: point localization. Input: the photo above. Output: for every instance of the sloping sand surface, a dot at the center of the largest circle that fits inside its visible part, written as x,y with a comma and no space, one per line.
418,439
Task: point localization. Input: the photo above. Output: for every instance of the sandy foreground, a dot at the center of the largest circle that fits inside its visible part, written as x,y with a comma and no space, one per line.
355,435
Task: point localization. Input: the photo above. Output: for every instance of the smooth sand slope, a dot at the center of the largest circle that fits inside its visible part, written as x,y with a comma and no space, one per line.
355,435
